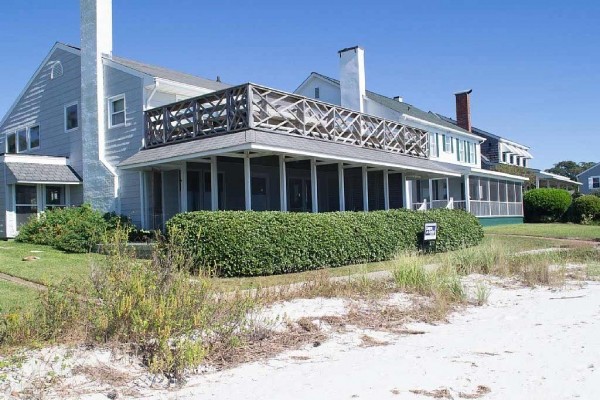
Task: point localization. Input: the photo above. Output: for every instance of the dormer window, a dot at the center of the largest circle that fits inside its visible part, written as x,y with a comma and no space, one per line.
56,70
447,144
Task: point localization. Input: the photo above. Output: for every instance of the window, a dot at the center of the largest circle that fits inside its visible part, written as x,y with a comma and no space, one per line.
71,117
55,197
461,150
21,140
317,93
447,144
116,111
433,150
25,203
11,143
594,182
503,157
525,162
472,156
34,137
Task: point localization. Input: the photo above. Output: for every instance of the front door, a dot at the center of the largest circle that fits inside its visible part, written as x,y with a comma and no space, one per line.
299,194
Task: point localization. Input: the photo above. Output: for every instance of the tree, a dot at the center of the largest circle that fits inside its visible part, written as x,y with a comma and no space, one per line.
570,169
519,171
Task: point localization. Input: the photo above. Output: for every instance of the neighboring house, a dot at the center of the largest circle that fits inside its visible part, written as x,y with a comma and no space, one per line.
497,150
149,142
493,196
590,179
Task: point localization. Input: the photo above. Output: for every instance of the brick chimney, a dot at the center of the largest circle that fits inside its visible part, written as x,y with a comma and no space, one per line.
463,109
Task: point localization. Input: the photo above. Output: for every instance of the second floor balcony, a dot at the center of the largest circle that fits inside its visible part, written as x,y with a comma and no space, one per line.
256,107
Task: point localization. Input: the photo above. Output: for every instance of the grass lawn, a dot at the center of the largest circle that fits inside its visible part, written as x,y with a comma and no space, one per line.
14,297
561,231
52,267
514,244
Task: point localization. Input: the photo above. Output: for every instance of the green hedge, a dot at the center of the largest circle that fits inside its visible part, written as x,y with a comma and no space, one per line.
240,243
585,209
71,229
546,205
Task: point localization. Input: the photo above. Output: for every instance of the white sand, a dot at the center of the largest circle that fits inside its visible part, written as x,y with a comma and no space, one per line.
526,344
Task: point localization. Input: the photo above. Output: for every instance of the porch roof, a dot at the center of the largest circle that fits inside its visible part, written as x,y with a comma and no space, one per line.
259,141
26,172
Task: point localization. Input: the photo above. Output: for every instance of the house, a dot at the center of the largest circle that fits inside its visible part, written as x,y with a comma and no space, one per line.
497,150
493,196
590,179
149,142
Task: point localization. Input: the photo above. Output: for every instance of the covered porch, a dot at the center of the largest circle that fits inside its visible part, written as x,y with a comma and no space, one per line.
262,181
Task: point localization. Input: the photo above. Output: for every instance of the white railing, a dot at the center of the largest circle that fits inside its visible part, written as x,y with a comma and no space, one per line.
484,208
477,207
256,107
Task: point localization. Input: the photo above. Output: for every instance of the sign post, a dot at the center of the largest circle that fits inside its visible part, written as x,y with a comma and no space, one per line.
430,236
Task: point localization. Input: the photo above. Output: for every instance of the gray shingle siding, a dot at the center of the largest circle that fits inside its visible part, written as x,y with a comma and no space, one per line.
585,176
124,141
43,104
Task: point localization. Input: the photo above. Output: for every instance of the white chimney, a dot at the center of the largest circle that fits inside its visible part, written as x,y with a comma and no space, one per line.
352,78
100,181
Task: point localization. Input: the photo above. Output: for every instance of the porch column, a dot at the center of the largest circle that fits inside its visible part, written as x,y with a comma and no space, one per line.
214,184
247,183
365,188
313,185
537,182
282,184
142,201
342,196
183,203
431,193
386,190
405,193
448,191
467,193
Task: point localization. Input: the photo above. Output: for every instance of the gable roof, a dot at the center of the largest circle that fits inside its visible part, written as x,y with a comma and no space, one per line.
147,69
402,107
482,132
589,169
162,72
170,74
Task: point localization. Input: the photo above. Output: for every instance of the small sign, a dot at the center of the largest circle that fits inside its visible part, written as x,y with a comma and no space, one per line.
430,231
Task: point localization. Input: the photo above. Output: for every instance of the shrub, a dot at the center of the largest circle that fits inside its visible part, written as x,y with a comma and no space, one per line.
596,193
585,209
72,229
546,205
155,309
264,243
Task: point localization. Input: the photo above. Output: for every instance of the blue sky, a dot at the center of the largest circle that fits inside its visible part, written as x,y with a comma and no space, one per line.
534,66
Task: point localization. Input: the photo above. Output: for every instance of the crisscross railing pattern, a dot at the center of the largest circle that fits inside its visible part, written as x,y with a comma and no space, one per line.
256,107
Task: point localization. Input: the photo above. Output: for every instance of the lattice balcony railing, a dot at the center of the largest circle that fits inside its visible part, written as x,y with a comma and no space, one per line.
255,107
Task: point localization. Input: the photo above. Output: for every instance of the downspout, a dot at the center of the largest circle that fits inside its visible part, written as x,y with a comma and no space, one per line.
151,95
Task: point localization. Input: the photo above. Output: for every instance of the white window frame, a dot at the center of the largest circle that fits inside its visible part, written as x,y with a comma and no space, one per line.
472,155
29,137
447,144
461,150
110,113
75,103
15,132
592,182
433,150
